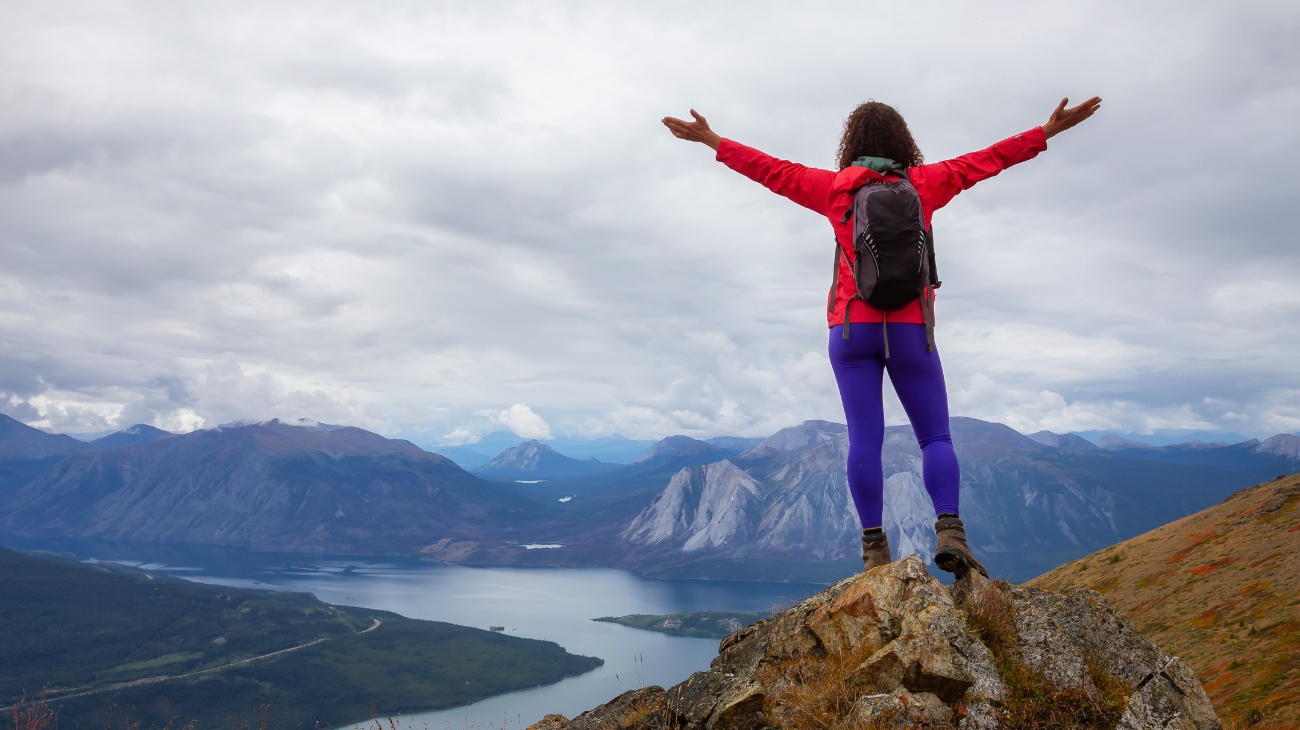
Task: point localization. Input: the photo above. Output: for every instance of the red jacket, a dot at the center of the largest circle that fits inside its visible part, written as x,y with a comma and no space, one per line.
831,194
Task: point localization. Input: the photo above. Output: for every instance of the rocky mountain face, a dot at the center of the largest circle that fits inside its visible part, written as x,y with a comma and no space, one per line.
593,510
1219,588
1028,505
893,648
702,507
534,460
269,486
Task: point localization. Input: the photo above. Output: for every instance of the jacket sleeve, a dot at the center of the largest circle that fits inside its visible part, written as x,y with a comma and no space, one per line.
940,182
807,186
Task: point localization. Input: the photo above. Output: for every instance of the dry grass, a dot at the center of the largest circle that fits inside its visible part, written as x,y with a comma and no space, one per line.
1032,702
990,615
812,692
33,715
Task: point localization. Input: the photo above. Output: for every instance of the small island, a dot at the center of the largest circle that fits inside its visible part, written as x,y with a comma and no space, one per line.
699,624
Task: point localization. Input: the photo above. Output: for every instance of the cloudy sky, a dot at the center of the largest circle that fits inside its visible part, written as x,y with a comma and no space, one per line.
438,220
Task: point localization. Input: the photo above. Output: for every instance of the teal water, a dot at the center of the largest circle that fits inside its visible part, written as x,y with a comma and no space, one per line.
554,604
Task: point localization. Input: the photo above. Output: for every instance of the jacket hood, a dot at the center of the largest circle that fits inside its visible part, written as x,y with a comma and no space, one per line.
877,164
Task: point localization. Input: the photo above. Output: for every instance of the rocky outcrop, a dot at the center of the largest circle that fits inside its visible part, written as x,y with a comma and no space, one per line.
894,648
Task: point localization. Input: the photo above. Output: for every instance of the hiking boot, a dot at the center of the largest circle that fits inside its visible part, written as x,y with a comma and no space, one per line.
875,549
953,554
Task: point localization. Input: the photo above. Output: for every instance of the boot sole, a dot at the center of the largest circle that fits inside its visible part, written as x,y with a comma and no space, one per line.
952,563
955,563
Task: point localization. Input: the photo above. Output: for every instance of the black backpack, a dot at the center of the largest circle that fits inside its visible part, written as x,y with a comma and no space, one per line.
893,251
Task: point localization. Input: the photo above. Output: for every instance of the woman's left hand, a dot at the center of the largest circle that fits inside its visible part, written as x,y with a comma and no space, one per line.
1062,118
696,131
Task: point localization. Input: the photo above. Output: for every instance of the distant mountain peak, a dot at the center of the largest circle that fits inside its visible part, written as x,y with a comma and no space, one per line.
137,434
1064,441
1198,444
527,456
796,437
310,424
18,440
533,459
1283,444
667,448
1118,443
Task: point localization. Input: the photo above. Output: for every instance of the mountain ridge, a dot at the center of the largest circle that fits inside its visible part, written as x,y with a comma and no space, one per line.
787,514
266,486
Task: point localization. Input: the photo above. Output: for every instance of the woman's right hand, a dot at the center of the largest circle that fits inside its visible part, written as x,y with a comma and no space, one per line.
696,131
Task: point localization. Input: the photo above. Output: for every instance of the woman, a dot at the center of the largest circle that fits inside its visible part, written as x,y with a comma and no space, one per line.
876,141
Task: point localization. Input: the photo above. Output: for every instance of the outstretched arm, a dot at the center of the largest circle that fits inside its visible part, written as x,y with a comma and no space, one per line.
1062,118
696,131
940,182
806,186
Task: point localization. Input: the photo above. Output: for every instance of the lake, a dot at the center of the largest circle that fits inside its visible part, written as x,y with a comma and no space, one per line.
555,604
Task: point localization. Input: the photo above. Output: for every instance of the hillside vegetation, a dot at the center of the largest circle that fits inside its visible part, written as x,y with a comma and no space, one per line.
98,636
1220,589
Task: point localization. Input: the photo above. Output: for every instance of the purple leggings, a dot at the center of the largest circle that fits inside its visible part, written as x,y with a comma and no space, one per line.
859,364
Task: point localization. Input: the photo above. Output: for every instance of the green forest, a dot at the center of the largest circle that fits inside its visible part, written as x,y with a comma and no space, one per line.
76,632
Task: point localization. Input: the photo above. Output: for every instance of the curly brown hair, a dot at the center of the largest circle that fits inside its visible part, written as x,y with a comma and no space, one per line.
878,130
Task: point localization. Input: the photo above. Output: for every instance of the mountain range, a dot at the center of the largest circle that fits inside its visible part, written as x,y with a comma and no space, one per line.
776,509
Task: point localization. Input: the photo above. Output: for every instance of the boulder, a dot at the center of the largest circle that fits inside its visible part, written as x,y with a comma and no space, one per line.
893,647
902,707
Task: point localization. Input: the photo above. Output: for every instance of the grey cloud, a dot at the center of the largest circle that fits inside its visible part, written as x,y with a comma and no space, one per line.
405,216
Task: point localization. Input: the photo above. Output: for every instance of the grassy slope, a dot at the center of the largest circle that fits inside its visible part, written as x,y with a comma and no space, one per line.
64,625
1220,589
704,625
